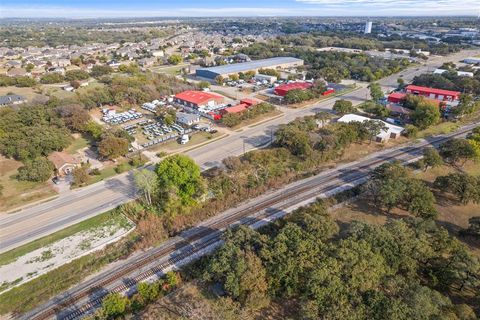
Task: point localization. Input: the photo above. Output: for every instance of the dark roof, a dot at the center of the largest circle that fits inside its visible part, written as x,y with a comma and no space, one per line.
12,98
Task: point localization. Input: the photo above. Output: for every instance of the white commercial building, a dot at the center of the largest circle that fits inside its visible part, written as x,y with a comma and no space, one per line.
392,132
459,73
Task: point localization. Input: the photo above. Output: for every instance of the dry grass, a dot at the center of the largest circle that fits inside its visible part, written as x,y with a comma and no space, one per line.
30,93
452,215
16,193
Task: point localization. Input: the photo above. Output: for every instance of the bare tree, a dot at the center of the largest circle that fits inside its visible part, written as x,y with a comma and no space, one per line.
147,183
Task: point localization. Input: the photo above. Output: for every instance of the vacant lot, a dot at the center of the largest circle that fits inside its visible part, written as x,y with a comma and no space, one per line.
16,193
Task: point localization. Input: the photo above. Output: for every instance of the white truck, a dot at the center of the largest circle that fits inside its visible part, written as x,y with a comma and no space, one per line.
185,138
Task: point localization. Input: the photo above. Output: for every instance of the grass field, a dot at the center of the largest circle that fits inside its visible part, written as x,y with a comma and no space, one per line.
172,70
442,128
78,143
30,93
17,193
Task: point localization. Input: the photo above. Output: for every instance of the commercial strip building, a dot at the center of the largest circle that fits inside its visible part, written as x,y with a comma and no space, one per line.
235,68
432,93
197,99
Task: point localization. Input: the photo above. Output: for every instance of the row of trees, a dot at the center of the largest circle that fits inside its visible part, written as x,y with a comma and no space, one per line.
371,272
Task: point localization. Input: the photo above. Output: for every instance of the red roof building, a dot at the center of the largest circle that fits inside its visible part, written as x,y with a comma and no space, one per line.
235,109
282,90
432,93
197,99
398,98
249,102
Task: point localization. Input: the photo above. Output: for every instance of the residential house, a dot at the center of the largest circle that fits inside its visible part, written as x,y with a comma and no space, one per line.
63,162
11,99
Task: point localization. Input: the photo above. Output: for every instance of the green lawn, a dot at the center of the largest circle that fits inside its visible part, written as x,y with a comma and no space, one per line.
12,255
442,128
77,144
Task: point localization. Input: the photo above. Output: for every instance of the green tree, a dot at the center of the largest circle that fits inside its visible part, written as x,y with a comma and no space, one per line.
219,80
375,109
76,75
457,151
39,170
465,187
296,140
419,200
204,84
343,107
29,67
400,83
50,78
25,82
376,92
425,115
94,129
112,147
114,305
388,185
100,70
80,175
175,59
148,291
374,128
180,180
147,183
431,159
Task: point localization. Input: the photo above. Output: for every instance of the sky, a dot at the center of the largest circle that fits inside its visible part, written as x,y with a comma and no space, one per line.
214,8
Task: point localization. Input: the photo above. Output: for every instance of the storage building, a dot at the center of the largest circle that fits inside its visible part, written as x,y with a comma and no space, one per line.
235,68
198,99
432,93
283,89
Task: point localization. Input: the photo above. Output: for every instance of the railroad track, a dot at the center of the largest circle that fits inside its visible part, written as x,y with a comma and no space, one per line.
188,246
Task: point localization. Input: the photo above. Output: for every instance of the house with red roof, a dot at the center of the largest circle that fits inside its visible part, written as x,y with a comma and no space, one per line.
198,99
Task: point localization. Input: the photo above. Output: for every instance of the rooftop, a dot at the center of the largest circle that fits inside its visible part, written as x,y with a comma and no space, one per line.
59,159
11,98
251,65
197,97
433,90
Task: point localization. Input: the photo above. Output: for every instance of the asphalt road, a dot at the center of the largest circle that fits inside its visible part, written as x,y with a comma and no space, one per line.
187,246
77,205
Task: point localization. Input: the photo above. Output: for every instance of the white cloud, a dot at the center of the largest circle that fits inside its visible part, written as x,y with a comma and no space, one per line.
302,8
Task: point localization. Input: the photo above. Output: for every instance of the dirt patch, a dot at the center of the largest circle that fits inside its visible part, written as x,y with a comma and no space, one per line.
45,259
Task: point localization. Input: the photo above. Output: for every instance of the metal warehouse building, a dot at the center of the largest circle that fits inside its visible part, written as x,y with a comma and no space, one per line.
226,70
